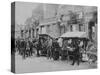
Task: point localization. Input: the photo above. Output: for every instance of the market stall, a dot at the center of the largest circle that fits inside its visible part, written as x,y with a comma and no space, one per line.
70,39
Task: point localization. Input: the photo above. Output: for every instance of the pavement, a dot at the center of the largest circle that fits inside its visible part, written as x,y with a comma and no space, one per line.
42,64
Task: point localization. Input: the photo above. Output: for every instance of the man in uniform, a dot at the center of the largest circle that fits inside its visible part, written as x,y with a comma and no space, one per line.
49,48
76,54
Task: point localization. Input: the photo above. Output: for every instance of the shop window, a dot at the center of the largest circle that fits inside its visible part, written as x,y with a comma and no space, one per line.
81,27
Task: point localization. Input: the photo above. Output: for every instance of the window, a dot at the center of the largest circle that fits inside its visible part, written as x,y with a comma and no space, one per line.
81,27
48,28
33,33
71,29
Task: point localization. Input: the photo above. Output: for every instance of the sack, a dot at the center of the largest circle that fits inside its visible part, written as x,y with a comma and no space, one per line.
85,57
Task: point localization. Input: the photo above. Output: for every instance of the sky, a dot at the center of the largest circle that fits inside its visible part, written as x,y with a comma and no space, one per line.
23,11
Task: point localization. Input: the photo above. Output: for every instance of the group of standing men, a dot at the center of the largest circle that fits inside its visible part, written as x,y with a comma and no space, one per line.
24,47
53,48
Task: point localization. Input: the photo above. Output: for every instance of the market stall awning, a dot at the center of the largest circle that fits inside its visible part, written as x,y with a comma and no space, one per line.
46,35
74,34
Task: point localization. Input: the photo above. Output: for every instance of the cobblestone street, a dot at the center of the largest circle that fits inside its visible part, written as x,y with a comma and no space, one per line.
42,64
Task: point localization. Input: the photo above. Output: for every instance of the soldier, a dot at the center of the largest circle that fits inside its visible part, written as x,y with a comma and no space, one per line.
49,48
38,47
56,49
76,54
23,45
30,46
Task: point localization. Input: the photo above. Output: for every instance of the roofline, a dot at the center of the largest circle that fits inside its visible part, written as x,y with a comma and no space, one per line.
42,24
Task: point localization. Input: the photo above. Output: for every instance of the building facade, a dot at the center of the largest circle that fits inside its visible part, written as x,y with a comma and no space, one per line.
64,18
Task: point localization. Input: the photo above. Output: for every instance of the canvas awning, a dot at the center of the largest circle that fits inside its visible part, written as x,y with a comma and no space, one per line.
46,35
74,34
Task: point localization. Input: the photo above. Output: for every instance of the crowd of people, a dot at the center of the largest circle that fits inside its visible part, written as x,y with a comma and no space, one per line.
24,47
70,49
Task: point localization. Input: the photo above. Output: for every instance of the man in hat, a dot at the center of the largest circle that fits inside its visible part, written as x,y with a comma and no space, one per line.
76,53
